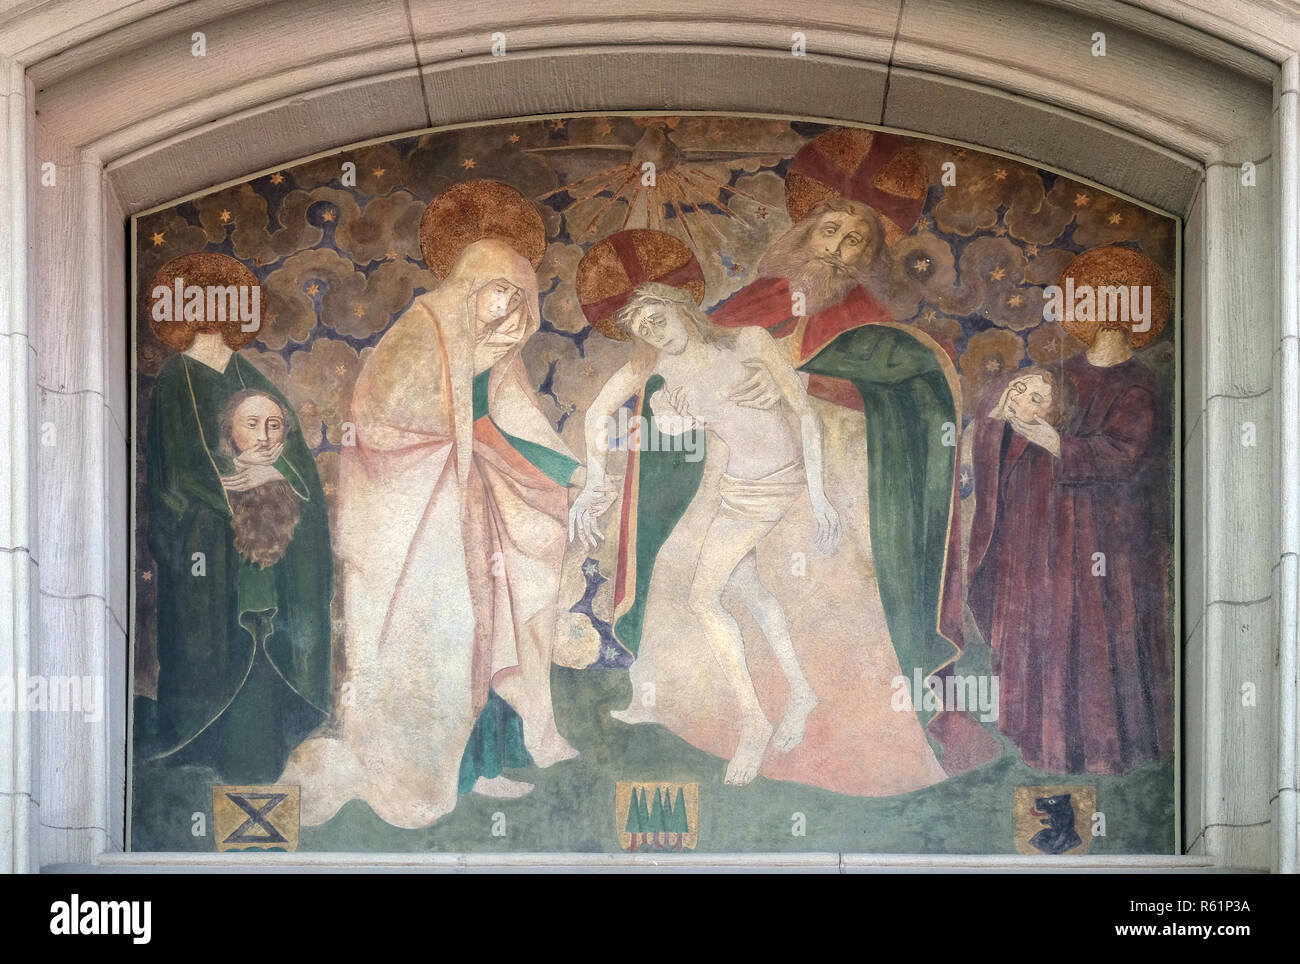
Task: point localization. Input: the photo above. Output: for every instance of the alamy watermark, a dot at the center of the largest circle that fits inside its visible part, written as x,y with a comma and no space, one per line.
973,694
209,303
76,917
662,433
53,694
1127,304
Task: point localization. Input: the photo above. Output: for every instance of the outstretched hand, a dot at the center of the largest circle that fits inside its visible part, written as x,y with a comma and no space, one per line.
592,502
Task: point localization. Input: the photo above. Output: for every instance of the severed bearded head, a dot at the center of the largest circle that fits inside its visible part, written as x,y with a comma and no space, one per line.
263,518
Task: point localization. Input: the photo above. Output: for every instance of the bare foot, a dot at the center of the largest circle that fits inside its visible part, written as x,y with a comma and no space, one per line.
754,736
501,788
789,734
636,713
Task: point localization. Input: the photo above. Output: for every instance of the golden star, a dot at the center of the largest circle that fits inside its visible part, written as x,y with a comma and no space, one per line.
606,128
158,238
922,223
328,216
514,138
1000,174
391,255
1015,301
378,172
146,576
922,264
1000,230
359,310
997,274
1080,200
468,163
313,288
340,370
930,315
225,217
557,124
960,152
277,178
1114,218
1032,251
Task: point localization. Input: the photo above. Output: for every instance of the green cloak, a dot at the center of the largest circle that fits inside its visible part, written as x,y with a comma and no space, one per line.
243,652
910,409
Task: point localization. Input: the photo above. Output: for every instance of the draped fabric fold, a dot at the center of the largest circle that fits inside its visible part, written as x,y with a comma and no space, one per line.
450,545
885,393
243,652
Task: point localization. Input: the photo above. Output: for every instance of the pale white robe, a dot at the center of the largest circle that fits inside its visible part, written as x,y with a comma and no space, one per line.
451,545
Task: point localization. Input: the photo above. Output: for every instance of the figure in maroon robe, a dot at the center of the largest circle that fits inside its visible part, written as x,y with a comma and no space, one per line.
1069,575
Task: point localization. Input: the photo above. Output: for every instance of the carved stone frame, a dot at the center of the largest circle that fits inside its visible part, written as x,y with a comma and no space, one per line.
1183,99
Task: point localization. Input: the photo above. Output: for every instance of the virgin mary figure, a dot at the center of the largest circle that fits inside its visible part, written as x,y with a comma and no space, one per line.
452,528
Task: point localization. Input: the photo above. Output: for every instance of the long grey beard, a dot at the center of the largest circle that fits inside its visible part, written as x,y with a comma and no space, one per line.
822,284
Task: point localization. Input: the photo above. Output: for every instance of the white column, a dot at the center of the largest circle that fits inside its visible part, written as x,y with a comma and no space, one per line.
80,468
1286,850
1229,655
19,569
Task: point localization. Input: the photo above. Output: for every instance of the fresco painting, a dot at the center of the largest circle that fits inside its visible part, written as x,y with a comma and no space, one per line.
769,484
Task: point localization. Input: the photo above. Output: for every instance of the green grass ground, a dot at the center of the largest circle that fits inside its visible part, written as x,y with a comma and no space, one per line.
572,807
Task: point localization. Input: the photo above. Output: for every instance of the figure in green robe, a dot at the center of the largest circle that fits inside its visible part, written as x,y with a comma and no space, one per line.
239,532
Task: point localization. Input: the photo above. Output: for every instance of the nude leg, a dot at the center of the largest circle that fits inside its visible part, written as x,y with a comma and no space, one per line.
767,612
727,541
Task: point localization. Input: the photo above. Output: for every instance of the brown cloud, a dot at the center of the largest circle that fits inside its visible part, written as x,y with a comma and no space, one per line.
350,303
992,273
242,212
919,267
388,226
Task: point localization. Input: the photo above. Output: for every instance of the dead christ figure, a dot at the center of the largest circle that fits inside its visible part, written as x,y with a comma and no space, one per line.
773,454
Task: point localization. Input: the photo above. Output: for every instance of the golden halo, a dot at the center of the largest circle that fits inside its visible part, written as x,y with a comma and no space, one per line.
474,210
613,267
1116,266
201,268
